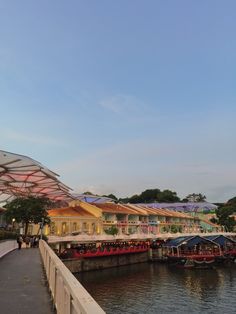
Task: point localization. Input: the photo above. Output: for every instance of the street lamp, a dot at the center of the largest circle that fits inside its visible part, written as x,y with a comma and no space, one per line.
13,222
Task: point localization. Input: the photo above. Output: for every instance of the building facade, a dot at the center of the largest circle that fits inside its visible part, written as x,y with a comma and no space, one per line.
121,219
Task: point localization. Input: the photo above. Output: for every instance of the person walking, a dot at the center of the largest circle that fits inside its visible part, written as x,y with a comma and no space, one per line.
19,241
36,242
32,241
27,241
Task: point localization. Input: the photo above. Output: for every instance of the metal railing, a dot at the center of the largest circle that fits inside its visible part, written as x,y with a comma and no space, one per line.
133,222
109,221
69,296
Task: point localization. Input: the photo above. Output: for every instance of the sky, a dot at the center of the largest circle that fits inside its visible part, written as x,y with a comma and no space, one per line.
121,96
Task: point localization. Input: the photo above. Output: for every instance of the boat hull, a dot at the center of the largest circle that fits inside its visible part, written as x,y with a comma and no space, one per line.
193,261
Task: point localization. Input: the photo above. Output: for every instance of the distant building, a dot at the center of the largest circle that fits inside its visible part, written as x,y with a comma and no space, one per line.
101,218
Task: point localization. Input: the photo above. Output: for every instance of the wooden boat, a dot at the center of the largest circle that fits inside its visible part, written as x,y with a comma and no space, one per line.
227,245
193,252
193,261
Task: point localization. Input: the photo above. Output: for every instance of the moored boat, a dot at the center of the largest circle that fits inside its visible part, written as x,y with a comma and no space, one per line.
192,252
227,245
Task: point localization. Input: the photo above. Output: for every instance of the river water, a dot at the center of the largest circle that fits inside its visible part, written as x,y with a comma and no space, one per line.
159,288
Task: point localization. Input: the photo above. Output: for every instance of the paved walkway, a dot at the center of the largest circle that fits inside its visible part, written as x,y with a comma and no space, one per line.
23,286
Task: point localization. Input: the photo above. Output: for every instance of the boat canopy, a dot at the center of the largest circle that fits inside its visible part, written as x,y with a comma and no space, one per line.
189,241
220,239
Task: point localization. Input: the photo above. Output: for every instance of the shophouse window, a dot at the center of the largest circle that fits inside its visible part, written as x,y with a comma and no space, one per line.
74,226
64,227
52,228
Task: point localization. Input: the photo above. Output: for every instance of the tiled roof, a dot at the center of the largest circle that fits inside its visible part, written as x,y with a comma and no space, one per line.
210,223
165,212
127,209
76,211
133,209
137,210
116,209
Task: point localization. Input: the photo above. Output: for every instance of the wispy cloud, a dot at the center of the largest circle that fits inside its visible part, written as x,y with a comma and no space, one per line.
30,138
130,167
99,189
121,103
119,155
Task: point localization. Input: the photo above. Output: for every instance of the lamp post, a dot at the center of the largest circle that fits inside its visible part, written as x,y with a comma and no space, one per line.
41,227
13,223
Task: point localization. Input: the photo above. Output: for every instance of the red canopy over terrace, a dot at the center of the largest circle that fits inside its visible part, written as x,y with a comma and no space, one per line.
21,176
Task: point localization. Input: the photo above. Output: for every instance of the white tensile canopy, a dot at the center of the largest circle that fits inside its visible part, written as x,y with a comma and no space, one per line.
22,176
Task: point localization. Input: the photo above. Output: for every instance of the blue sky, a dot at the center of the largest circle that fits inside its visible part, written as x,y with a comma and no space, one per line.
120,96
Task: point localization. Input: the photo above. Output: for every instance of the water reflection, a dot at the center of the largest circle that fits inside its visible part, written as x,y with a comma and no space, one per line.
157,288
200,283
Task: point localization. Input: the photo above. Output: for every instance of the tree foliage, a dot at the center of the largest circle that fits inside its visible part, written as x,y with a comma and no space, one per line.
112,196
232,202
28,210
112,230
224,216
195,197
88,193
152,196
168,196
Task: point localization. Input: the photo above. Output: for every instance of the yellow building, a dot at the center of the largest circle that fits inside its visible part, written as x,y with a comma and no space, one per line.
79,218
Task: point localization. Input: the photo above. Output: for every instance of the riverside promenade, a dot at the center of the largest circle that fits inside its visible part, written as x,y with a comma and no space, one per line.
23,285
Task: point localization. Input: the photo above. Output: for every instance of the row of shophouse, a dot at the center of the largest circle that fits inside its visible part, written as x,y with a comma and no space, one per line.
96,219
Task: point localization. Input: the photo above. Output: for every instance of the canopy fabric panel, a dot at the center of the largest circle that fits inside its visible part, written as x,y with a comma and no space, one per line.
177,241
189,241
221,240
197,240
22,176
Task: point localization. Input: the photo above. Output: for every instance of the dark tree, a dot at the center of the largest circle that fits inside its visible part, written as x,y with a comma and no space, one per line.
124,200
152,196
135,199
224,217
232,202
112,196
195,197
28,210
168,197
214,220
112,230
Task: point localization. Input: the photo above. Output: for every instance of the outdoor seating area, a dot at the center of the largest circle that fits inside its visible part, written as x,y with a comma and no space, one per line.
104,249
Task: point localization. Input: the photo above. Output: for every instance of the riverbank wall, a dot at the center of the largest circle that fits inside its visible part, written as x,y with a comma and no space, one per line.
103,262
